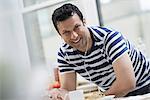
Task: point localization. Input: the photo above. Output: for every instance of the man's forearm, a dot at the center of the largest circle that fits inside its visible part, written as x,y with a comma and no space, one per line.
68,81
118,90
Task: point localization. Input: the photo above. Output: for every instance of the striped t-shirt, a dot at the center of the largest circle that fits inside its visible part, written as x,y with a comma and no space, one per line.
96,65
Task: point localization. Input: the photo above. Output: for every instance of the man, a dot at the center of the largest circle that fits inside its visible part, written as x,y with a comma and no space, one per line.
100,55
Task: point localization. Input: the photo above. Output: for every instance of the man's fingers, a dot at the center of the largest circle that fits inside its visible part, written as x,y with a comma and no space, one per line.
58,94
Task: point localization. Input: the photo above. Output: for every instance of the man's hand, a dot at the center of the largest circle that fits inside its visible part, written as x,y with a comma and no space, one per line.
58,94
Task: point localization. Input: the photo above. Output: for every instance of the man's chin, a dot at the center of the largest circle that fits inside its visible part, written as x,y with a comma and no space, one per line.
78,47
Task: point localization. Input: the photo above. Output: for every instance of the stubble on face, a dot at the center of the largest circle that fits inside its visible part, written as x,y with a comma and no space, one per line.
79,39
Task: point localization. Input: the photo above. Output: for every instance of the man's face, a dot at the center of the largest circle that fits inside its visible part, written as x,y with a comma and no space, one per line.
74,32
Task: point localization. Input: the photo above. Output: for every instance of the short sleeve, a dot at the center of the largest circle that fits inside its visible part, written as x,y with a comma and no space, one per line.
115,45
63,62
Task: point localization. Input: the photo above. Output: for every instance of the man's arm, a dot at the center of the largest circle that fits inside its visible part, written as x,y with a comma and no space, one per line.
125,77
68,81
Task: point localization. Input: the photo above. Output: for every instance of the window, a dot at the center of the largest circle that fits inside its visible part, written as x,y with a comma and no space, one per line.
129,17
43,40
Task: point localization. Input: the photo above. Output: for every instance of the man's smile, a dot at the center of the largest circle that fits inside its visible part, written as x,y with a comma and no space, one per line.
76,41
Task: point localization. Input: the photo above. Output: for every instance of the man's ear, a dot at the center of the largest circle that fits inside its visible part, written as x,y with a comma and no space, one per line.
84,21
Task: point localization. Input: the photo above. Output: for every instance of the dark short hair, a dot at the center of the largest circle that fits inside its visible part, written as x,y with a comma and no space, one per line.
64,12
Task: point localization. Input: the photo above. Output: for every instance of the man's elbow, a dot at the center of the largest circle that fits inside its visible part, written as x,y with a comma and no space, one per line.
131,85
125,88
127,85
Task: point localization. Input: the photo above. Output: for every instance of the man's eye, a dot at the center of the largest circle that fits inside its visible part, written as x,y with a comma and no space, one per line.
77,26
66,33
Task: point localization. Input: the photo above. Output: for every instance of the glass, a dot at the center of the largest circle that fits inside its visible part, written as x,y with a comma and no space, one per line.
131,17
116,9
123,16
42,38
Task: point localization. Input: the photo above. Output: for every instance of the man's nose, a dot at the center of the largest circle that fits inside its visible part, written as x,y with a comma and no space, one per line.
74,35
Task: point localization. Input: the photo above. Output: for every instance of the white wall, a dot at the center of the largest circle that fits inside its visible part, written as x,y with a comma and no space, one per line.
14,59
129,27
145,18
130,17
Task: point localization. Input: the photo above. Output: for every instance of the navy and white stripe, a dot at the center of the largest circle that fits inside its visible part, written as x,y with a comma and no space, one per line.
108,46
